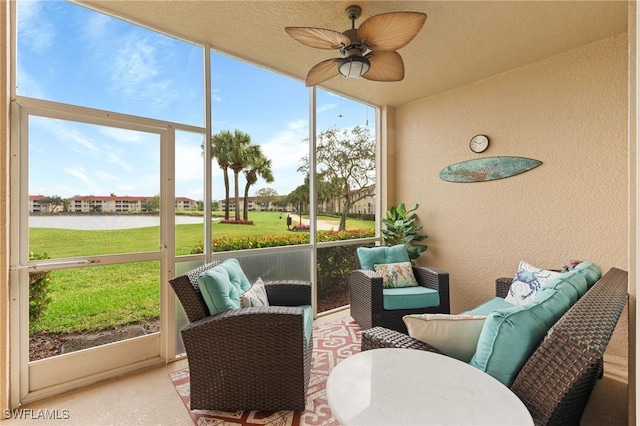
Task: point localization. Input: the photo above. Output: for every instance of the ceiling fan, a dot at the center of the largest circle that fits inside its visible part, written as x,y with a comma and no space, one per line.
368,52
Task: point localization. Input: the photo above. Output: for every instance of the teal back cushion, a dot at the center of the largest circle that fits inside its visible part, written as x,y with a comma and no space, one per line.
509,336
578,281
489,306
369,256
555,301
590,271
222,285
571,284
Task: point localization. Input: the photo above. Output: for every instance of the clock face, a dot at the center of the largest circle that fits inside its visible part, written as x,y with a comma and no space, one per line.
479,143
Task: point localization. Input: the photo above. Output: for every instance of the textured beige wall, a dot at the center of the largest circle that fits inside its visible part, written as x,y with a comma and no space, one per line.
568,111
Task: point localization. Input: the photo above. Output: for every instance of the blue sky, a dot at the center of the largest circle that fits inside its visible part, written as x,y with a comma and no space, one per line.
70,54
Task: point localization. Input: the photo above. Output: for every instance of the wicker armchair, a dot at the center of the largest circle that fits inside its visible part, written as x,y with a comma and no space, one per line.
248,358
366,298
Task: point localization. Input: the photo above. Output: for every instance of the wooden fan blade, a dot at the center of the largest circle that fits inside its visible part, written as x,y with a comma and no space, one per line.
390,31
386,65
322,72
318,37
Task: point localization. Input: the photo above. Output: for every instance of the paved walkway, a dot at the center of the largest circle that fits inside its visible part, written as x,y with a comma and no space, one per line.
323,225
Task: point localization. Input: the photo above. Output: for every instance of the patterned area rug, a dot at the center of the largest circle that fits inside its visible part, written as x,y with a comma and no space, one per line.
332,342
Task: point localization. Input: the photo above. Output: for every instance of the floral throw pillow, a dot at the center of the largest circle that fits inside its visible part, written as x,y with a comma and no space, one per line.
396,275
527,282
255,296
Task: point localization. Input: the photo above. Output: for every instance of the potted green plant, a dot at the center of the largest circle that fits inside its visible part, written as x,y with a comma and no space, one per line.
402,229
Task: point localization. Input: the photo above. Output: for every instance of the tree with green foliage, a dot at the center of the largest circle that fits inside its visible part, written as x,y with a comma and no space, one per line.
152,204
240,153
299,197
221,146
51,204
257,166
281,202
346,161
266,196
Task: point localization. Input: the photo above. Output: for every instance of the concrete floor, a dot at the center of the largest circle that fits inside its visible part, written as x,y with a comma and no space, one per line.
149,398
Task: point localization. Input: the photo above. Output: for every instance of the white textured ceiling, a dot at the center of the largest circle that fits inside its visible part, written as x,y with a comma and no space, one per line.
461,41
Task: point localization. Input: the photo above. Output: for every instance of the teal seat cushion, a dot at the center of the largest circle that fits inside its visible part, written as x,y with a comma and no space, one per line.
489,306
308,324
590,271
370,256
509,336
222,285
409,298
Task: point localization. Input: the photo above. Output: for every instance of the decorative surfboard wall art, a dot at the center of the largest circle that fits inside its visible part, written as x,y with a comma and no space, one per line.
488,168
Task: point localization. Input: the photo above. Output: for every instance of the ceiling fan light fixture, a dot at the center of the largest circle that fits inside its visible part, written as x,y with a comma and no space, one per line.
369,51
353,66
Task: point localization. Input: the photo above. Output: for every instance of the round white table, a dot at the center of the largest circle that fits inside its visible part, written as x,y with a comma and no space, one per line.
413,387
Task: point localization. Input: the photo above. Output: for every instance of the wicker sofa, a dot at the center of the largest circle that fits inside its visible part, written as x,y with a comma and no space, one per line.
248,358
556,381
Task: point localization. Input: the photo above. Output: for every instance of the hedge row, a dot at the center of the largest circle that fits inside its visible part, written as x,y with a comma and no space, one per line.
252,242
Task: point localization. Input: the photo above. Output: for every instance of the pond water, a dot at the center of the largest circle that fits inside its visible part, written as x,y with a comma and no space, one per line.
104,222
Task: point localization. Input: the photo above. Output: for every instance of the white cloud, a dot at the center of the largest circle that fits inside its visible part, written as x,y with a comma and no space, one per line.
327,107
189,164
35,31
124,135
115,159
65,132
215,97
135,63
96,26
137,71
101,174
80,173
287,147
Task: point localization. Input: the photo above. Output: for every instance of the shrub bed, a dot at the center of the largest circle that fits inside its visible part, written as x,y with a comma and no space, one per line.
252,242
237,221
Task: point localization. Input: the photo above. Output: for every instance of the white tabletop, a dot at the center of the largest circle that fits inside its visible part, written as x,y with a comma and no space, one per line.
413,387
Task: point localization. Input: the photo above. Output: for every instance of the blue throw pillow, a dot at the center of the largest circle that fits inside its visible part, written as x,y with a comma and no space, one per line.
370,256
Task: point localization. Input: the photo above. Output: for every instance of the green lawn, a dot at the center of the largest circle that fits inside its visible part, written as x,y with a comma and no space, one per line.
103,296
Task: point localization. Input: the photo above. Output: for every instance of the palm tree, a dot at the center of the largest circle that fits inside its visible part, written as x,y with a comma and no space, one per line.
300,197
258,166
240,151
221,144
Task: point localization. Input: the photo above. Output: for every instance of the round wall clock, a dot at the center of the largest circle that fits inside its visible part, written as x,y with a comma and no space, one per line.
479,143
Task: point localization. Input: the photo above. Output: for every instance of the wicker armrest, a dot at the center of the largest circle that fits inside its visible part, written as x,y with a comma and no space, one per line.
428,276
366,281
239,320
502,286
288,292
380,337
